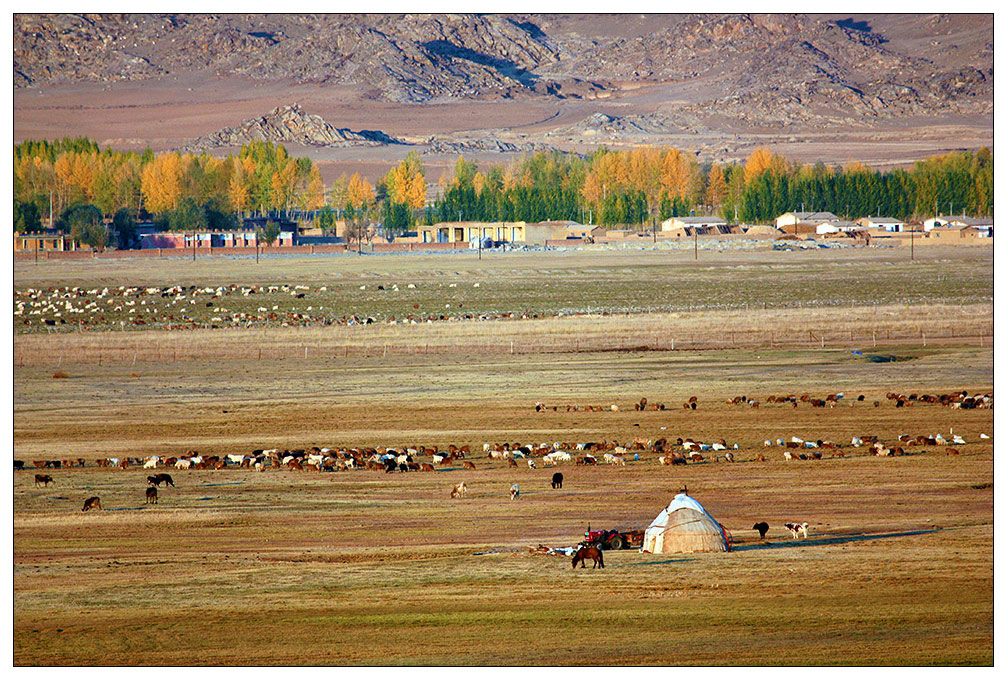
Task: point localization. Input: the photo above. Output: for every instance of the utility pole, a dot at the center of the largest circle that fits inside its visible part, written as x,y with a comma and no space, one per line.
695,233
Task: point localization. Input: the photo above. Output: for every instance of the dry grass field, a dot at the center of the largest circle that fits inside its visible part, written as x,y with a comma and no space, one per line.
366,568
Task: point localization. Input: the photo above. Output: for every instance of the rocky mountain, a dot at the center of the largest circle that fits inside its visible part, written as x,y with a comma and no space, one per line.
289,124
774,70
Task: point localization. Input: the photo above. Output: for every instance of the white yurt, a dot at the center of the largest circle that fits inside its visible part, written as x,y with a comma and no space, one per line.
685,526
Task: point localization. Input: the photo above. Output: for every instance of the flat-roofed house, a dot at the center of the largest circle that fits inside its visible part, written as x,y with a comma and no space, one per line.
703,224
791,218
882,223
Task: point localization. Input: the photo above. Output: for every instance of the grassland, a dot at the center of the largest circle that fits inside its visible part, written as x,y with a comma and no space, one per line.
366,568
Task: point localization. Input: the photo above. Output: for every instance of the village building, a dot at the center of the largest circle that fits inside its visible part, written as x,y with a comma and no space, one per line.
982,224
955,233
814,218
703,224
46,242
882,223
835,226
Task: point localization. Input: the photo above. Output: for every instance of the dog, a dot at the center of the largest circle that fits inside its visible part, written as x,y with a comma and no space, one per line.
762,528
514,491
797,529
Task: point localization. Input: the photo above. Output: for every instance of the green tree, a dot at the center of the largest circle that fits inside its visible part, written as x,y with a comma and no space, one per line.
27,218
125,229
326,220
270,233
188,216
85,224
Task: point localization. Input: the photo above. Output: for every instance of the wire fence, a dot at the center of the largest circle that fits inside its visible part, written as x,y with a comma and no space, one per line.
164,349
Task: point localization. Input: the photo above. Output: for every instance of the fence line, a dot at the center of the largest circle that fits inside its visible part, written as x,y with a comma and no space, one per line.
865,340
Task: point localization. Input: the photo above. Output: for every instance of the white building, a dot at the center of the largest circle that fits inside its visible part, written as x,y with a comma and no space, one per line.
791,218
882,224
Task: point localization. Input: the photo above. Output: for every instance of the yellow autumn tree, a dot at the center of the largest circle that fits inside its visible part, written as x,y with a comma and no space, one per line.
760,160
314,198
406,183
716,187
161,182
284,184
240,185
360,192
677,173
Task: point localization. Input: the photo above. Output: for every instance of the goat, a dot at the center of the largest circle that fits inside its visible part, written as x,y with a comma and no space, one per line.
151,496
514,491
762,528
459,490
557,480
91,503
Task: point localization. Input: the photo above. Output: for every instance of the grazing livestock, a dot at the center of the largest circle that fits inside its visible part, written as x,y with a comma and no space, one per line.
762,528
151,463
39,464
44,479
584,553
557,480
511,463
151,496
158,479
514,491
460,490
91,503
468,465
797,529
18,464
531,464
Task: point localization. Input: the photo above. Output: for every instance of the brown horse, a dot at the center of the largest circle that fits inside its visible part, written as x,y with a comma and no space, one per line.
590,552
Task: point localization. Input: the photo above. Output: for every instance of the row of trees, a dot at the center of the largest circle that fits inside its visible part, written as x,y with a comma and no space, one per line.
637,186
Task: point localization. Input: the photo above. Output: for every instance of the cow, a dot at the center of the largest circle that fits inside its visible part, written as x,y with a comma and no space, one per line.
460,490
151,496
39,464
18,464
762,529
44,479
514,491
91,503
797,529
557,480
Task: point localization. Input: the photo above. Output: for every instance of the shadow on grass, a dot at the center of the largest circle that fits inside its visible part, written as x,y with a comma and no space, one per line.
816,542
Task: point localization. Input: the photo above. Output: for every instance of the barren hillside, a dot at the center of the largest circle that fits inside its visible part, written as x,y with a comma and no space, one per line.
562,80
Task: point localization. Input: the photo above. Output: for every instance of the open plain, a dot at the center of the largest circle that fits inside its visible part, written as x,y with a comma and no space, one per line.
364,567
